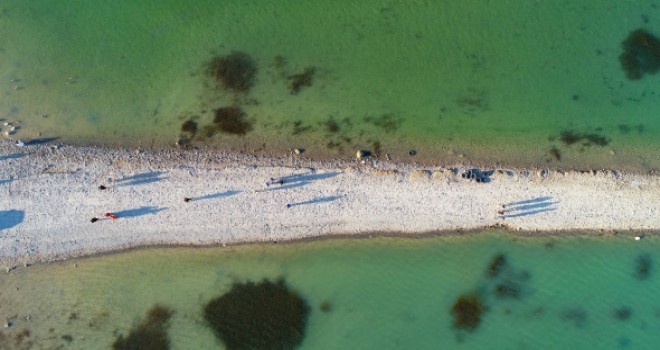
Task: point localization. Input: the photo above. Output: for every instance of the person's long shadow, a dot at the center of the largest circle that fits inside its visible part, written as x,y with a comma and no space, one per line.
12,156
527,213
138,212
215,195
11,218
298,180
141,179
314,201
528,207
529,201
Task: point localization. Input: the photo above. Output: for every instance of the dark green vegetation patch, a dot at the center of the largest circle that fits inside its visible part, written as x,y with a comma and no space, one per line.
262,315
496,266
150,334
641,54
235,71
502,282
325,306
570,137
189,127
577,316
297,81
624,129
231,120
555,153
388,122
17,340
622,313
643,266
467,312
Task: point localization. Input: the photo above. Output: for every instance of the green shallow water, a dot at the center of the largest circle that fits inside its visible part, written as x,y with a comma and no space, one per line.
477,81
469,81
384,293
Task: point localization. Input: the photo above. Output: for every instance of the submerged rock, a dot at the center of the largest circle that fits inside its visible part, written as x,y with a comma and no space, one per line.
362,154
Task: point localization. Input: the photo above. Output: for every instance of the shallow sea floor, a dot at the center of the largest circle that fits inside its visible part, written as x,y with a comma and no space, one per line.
516,82
372,293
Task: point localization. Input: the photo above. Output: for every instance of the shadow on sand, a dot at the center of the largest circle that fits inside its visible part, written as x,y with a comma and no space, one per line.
298,180
11,218
215,195
12,156
314,201
141,179
528,207
138,212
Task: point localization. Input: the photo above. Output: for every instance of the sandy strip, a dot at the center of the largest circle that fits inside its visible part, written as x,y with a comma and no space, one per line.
50,194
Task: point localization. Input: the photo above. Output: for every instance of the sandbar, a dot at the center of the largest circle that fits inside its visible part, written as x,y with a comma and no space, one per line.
51,192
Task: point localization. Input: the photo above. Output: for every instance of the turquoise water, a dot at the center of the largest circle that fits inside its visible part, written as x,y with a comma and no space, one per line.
381,293
468,81
494,82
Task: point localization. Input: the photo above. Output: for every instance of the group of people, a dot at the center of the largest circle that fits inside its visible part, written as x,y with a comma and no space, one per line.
111,216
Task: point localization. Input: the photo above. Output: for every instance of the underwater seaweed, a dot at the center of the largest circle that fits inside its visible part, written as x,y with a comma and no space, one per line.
263,315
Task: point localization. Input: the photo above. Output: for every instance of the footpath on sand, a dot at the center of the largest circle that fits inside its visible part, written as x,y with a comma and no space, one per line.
65,201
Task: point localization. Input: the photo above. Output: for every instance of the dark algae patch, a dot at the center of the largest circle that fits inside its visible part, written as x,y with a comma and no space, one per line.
622,313
304,79
299,128
501,282
331,126
296,81
625,129
388,122
189,127
496,266
325,306
467,311
554,152
476,100
577,316
19,340
643,266
151,334
235,71
265,315
569,137
231,120
507,290
508,283
188,131
641,54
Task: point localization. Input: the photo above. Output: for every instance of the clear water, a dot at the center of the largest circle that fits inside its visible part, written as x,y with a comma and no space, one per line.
458,81
384,293
493,82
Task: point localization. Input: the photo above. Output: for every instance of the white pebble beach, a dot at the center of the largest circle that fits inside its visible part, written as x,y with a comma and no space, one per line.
50,194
